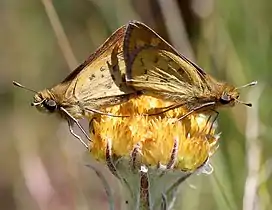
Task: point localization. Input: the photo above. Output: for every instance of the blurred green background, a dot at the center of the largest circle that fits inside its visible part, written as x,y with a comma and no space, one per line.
42,165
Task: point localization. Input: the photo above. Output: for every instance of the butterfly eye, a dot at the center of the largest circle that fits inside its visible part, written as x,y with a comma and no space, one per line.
225,98
50,104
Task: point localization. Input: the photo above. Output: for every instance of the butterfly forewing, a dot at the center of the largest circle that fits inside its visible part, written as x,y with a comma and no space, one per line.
98,81
156,67
102,52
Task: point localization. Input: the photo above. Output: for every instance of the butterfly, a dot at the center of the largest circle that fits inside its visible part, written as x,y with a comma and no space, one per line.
96,83
157,69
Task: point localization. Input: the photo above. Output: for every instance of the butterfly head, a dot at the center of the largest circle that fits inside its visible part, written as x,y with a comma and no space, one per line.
229,98
44,102
230,95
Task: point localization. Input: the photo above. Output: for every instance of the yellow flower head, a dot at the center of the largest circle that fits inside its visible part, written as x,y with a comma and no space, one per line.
159,139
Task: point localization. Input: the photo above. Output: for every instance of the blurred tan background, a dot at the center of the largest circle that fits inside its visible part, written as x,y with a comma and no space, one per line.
41,41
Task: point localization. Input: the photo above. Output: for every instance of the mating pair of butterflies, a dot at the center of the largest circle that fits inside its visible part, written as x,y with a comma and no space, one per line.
133,60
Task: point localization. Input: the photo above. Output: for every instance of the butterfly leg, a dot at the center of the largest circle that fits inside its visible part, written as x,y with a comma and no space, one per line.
208,120
83,131
75,135
196,109
70,119
215,118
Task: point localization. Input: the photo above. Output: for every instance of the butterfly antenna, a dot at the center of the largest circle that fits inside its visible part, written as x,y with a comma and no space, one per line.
23,87
242,102
247,85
